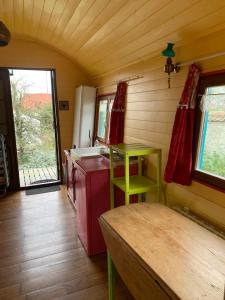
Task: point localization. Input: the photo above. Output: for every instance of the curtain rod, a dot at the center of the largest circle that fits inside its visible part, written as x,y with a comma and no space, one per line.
186,63
124,79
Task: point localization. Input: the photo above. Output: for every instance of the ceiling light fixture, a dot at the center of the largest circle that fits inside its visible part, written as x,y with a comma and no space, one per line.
169,66
4,35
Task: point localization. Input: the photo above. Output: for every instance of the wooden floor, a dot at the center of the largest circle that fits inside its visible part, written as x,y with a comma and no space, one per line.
41,256
32,175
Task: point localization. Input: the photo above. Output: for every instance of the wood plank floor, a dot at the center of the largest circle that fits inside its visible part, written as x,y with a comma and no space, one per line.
30,176
41,256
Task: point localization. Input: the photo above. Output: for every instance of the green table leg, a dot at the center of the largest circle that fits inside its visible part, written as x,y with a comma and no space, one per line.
111,195
127,179
140,165
139,198
139,174
127,198
111,277
159,179
111,178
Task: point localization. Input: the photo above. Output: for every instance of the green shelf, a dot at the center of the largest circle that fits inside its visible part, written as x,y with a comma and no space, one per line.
134,149
137,184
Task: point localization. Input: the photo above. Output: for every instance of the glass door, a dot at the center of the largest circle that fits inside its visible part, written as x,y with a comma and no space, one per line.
9,179
35,126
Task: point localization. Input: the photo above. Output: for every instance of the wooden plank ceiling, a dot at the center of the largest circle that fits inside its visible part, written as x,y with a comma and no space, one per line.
106,35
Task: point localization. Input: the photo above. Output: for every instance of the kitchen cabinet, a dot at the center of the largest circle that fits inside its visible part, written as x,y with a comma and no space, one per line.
88,187
92,200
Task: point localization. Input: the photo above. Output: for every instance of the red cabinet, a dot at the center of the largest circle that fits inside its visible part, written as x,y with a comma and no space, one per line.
92,200
82,191
70,177
88,187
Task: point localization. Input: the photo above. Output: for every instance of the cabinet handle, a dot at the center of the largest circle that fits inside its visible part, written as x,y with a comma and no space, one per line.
74,184
74,175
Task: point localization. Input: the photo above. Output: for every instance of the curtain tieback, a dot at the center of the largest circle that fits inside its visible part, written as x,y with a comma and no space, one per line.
183,106
118,110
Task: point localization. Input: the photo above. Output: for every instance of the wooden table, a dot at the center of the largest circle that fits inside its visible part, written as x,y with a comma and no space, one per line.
162,255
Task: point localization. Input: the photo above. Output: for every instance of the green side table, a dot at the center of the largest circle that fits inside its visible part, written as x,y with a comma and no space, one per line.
137,184
131,185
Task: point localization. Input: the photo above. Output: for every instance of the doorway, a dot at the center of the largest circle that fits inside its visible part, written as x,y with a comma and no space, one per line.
35,123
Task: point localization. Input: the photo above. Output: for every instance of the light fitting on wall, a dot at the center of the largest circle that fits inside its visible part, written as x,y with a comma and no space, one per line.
169,66
4,35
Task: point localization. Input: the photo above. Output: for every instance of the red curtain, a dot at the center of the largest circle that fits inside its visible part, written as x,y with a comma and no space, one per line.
179,164
117,115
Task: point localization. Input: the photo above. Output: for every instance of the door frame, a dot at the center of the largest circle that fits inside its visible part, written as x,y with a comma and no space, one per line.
14,183
55,107
56,129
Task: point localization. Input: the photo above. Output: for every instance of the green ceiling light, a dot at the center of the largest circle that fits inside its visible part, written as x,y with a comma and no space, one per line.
4,35
169,66
168,52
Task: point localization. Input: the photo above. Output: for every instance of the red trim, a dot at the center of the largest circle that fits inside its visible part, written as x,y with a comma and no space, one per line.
212,73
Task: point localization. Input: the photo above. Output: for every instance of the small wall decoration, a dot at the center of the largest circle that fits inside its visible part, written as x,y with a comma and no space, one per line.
64,105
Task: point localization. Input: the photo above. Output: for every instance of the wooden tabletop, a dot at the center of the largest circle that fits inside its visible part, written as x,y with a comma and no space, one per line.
187,260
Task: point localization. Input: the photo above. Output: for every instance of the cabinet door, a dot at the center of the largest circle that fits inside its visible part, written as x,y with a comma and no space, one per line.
70,179
82,213
99,203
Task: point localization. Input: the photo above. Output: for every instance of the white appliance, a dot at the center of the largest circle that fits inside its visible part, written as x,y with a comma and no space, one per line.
84,116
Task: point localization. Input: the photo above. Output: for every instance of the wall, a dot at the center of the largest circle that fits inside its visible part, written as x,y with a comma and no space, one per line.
26,54
150,115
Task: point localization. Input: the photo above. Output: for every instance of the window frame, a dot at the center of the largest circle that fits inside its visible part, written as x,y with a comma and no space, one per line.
206,80
108,97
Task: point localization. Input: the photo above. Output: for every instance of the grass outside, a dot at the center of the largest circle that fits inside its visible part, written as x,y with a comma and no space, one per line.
214,154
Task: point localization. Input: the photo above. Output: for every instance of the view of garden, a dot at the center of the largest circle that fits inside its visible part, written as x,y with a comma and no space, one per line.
212,158
214,155
33,119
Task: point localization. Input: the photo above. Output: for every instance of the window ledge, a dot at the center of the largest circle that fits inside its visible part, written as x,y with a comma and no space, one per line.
214,187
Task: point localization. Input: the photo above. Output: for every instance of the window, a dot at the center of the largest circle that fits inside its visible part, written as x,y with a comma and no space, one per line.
102,119
209,164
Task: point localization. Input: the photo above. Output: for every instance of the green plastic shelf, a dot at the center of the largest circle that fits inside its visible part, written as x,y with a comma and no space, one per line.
137,184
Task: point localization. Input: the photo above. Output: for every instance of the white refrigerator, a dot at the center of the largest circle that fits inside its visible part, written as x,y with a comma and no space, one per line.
84,115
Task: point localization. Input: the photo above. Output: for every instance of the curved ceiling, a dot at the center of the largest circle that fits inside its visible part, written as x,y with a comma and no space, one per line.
105,35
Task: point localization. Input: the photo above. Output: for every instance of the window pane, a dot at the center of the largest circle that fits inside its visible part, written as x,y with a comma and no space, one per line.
211,148
102,118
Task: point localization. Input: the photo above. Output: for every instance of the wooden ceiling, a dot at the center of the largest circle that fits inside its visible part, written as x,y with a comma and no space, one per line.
105,35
